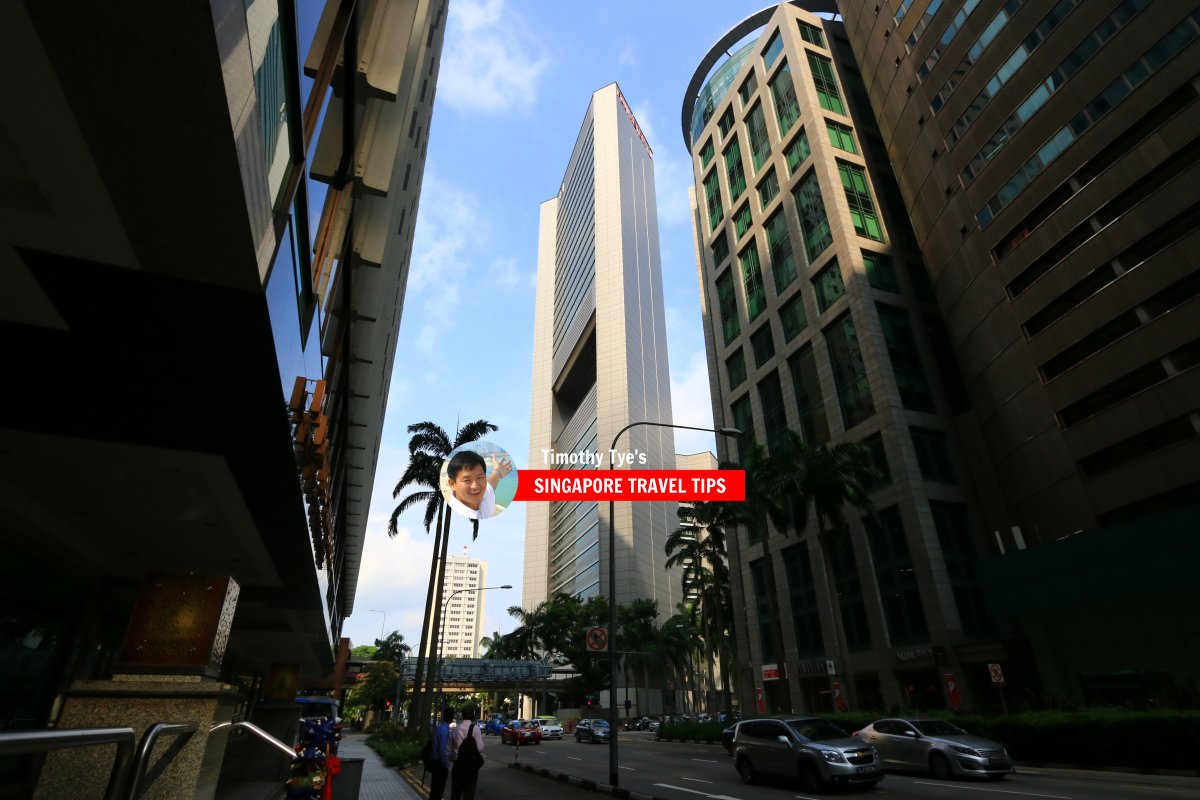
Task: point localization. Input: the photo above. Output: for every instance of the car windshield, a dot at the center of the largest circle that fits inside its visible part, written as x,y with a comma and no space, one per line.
550,721
817,730
599,723
937,727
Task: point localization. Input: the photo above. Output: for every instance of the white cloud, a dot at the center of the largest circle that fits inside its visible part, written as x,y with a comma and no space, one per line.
691,404
491,60
672,173
627,57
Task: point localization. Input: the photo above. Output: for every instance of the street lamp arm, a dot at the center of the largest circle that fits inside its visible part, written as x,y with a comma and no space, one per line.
723,431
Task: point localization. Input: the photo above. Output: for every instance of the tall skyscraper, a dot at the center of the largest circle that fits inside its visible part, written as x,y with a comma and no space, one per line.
818,320
600,362
1049,156
462,614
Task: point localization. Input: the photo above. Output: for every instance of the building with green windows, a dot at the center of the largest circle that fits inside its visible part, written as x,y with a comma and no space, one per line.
819,319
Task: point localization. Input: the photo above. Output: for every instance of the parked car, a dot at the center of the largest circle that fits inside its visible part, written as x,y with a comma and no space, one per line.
593,730
653,725
520,731
936,746
813,751
551,727
494,725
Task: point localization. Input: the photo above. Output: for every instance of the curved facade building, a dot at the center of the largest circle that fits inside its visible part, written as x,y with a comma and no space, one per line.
1047,153
818,319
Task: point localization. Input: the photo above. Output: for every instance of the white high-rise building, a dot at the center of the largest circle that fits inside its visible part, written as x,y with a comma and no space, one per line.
462,609
600,362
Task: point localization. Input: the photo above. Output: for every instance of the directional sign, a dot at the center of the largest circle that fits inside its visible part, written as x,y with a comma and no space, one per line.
597,640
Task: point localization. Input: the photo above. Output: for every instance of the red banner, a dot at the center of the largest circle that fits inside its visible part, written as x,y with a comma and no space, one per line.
953,698
638,485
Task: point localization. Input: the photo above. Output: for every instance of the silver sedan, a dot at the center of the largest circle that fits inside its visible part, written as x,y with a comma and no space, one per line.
937,747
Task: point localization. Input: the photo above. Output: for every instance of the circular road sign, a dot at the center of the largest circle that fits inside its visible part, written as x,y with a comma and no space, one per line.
597,640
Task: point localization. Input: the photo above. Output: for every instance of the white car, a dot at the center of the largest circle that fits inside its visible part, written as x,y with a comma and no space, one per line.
551,727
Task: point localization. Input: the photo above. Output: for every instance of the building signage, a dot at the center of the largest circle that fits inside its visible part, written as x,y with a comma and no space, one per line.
770,672
816,666
908,655
636,128
953,698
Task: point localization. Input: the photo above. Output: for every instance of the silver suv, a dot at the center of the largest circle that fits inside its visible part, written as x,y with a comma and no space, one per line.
812,751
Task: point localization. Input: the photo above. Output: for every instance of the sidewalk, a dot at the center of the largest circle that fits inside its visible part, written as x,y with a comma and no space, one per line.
379,782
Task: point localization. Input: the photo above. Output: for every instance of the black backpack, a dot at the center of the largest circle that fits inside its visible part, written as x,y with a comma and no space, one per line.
468,752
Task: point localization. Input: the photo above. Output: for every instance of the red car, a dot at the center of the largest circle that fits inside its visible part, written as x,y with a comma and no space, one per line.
520,732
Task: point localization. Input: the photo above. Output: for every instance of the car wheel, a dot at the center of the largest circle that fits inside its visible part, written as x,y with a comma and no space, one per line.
810,779
746,771
939,766
577,739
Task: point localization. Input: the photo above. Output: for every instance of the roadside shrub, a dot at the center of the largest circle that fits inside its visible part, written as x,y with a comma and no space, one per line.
699,731
395,745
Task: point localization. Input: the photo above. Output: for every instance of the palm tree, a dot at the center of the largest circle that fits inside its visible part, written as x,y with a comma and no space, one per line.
637,636
681,642
699,545
826,479
393,649
763,511
427,449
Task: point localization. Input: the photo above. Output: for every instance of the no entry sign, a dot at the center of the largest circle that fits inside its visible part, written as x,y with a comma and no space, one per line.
597,640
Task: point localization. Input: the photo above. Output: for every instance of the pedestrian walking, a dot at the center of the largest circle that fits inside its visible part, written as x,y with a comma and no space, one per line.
466,751
441,756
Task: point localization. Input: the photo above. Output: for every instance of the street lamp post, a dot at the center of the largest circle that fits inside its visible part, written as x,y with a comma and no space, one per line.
437,653
613,777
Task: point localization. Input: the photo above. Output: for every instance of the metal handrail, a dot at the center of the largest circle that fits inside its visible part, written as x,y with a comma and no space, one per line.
250,727
184,733
42,741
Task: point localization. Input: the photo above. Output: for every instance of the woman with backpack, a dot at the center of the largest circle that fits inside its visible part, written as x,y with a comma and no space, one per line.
466,751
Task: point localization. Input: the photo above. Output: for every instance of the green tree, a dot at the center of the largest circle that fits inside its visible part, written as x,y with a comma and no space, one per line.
764,511
681,642
377,687
427,449
393,649
364,652
638,642
699,547
819,483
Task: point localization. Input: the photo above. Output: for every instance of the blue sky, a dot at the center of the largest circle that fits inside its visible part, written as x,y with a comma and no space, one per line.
515,81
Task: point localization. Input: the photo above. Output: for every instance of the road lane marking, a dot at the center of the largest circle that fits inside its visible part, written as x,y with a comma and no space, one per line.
694,780
707,760
997,791
1146,786
631,769
693,791
575,758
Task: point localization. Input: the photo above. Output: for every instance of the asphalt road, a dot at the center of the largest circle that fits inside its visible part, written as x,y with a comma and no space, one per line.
694,772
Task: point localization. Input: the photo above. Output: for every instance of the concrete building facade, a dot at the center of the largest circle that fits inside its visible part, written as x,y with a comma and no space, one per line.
600,363
818,320
462,608
1047,154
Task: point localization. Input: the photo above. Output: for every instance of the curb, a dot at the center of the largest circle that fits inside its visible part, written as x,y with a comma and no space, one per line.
584,783
1166,773
414,784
